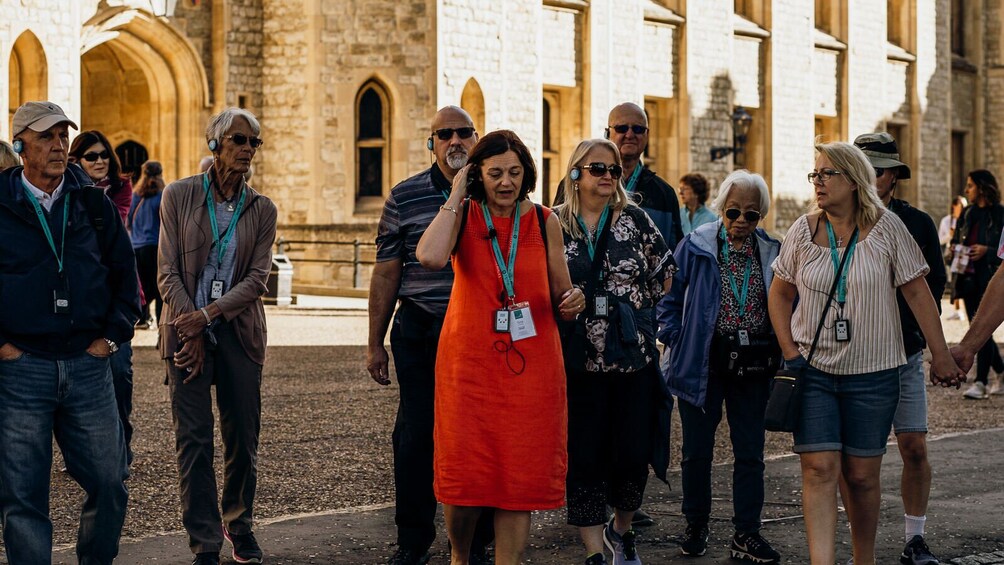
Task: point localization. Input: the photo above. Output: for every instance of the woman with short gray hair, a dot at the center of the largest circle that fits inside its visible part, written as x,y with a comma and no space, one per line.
215,253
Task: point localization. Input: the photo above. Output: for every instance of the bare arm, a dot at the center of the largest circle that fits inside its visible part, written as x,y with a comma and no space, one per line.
988,318
440,238
943,368
384,284
779,304
570,300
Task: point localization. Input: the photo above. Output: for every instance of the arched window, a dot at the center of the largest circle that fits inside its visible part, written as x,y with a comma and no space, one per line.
372,141
473,100
29,73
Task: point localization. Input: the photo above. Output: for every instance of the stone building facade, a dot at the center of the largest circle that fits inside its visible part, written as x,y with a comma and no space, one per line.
345,89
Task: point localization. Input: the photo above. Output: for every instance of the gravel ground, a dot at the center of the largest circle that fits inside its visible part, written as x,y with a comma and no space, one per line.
326,440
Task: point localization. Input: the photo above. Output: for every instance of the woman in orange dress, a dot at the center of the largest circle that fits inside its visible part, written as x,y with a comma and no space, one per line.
501,414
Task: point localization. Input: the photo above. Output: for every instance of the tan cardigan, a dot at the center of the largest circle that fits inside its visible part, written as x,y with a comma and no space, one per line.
185,239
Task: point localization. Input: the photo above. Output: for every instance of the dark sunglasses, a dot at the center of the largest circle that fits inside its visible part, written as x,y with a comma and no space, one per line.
94,156
241,139
600,169
752,216
446,134
879,172
623,128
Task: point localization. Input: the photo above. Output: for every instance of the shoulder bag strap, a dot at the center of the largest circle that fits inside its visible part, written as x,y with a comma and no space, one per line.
826,306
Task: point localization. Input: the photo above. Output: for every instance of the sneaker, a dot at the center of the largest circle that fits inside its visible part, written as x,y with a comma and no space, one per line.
408,556
207,558
143,325
976,392
596,559
641,519
753,548
916,552
623,547
246,549
954,316
997,386
696,540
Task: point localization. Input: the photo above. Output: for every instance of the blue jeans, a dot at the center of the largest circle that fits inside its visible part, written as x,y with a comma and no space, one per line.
121,363
73,399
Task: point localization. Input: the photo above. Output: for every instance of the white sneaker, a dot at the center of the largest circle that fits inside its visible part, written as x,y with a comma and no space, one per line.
954,316
997,386
976,392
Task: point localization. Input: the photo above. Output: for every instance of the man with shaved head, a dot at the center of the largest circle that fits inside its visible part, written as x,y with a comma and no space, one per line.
627,127
414,338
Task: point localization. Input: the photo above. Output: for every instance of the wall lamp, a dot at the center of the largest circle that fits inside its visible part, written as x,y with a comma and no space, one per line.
741,120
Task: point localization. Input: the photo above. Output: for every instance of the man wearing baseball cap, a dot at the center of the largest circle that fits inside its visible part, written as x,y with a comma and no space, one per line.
910,421
68,296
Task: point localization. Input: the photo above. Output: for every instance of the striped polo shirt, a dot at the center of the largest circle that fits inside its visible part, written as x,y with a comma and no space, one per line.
887,258
409,210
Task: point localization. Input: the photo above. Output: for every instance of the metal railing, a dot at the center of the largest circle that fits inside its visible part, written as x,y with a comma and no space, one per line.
285,246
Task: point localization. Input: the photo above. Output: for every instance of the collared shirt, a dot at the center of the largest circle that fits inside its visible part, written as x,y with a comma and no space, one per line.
410,208
44,198
701,216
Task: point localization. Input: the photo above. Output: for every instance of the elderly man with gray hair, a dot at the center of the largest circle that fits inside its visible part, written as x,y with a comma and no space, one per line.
215,253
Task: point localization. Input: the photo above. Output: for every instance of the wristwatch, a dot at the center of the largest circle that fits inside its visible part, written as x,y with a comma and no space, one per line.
112,346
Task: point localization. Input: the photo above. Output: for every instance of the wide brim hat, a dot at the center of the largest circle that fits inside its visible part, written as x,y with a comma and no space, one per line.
39,116
882,152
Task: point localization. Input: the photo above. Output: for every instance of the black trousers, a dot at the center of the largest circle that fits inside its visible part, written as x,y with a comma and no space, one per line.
146,266
988,356
414,339
609,442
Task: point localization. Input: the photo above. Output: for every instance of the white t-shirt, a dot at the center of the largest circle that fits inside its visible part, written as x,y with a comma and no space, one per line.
888,257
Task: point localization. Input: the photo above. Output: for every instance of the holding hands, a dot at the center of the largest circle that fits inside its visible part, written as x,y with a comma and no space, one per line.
573,303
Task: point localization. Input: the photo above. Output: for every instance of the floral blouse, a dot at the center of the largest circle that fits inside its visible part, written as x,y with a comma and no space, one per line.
637,263
755,318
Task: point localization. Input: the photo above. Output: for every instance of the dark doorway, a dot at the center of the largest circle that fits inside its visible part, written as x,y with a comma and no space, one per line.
132,155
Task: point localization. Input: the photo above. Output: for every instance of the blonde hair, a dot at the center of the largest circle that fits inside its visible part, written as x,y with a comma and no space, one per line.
742,178
8,158
858,170
568,212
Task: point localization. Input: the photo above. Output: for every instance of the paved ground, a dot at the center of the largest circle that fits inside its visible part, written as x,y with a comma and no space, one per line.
324,488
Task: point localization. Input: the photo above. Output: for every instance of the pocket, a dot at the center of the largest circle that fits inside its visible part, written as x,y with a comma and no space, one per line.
14,359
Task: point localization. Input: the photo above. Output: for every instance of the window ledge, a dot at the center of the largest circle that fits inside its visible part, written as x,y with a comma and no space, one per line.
897,53
577,5
660,14
742,26
824,40
960,63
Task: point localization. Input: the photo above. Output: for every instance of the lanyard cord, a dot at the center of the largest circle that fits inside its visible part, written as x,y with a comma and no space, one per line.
632,182
221,244
45,224
506,270
591,240
841,293
741,297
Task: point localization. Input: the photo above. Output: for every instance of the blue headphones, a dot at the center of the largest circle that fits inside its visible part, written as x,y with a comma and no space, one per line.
18,146
576,174
213,144
428,143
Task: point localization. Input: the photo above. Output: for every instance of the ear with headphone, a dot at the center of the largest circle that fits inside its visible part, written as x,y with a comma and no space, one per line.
18,146
213,145
575,174
428,143
606,133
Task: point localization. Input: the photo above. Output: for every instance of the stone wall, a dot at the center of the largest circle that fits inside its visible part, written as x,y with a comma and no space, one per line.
993,110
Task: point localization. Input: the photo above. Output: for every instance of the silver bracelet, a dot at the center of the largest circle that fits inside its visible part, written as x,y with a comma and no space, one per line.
206,314
449,209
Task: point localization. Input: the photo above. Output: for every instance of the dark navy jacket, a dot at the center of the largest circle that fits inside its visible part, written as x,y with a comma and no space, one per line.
103,291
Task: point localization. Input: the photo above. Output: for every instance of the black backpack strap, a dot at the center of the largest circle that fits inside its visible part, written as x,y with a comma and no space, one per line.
542,223
93,199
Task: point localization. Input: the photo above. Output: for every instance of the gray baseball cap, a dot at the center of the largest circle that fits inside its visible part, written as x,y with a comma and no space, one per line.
39,116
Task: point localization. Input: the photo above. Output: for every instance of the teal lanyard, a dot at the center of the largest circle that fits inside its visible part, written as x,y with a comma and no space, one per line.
590,241
741,297
45,224
446,194
222,244
835,257
507,270
633,181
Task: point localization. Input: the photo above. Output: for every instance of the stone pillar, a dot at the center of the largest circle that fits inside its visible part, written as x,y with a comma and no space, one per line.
613,63
933,167
866,65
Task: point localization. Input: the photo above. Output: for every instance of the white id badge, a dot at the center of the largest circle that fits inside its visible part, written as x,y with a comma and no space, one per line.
843,330
216,290
521,322
601,306
501,321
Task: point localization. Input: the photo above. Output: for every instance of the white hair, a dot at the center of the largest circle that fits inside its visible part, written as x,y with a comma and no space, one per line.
745,179
221,123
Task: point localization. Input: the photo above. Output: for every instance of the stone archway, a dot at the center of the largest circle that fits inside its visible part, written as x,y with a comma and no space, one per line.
141,80
28,73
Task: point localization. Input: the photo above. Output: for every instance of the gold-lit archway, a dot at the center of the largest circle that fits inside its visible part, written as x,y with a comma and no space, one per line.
28,73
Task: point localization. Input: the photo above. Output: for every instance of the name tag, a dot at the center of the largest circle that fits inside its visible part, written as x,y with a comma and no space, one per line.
61,301
521,322
216,289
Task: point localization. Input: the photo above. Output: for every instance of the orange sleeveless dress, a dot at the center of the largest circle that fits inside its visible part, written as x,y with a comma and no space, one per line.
500,437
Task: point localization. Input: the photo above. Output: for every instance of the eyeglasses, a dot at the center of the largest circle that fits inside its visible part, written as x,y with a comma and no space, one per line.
446,134
241,139
94,156
823,175
752,216
623,128
600,169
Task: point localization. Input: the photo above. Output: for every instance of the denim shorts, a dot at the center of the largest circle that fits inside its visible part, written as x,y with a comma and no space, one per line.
847,413
911,414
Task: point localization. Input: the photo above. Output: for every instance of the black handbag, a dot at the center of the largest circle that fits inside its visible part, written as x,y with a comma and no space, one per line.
785,401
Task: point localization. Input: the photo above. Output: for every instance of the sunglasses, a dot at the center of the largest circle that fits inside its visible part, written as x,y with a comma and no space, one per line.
241,139
94,156
752,216
600,169
623,128
879,172
446,134
823,175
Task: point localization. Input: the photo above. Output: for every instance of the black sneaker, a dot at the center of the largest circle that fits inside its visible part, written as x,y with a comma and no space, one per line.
753,548
695,541
207,558
408,556
246,549
916,552
641,519
596,559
